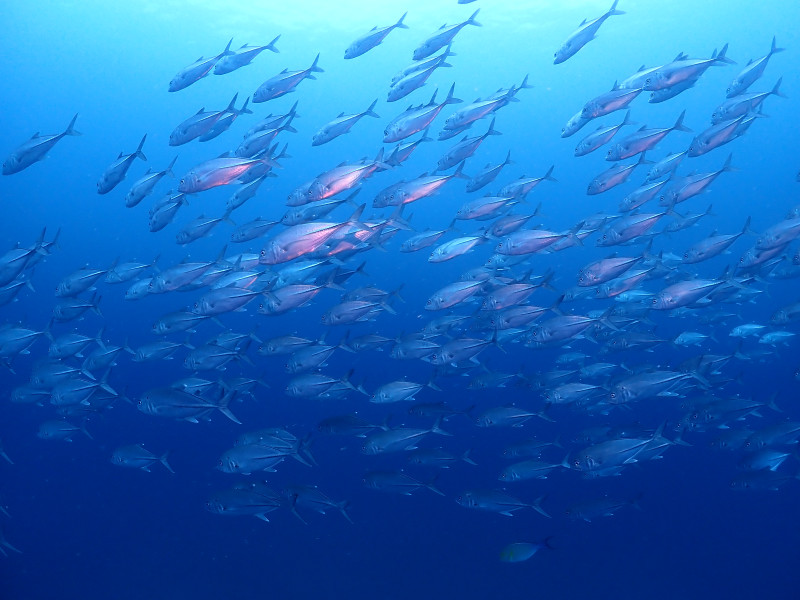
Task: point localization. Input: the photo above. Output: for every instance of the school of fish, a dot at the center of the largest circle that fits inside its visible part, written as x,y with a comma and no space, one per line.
580,337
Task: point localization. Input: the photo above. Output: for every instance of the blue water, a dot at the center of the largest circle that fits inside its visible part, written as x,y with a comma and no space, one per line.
89,529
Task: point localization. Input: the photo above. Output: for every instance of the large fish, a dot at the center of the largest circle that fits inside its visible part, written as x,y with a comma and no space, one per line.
372,38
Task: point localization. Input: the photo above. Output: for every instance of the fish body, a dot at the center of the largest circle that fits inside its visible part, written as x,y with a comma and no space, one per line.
372,38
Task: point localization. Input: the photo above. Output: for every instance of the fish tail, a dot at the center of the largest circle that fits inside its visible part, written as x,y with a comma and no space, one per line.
472,21
537,506
344,505
271,45
370,112
223,406
549,175
244,110
314,68
401,25
613,10
776,88
722,58
231,105
774,47
168,170
163,460
450,98
466,458
85,431
679,126
139,153
492,130
71,127
439,430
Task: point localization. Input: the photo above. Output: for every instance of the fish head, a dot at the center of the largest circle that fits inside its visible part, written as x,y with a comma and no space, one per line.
228,464
466,500
216,506
350,52
188,183
662,301
507,474
609,238
316,191
11,165
433,303
145,404
614,152
619,394
596,187
370,447
421,52
271,254
562,54
484,420
654,81
177,83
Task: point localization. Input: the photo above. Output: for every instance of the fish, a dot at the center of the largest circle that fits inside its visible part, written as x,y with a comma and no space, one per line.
245,499
497,501
137,457
218,171
341,125
522,551
583,35
199,124
145,185
416,119
751,73
396,482
197,70
684,69
36,149
242,57
285,82
443,37
372,38
600,137
116,171
643,140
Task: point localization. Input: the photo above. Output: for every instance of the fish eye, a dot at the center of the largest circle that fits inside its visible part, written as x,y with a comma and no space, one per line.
613,394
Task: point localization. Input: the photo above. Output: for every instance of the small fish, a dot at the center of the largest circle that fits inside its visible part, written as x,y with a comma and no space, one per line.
522,551
137,457
583,35
35,149
372,38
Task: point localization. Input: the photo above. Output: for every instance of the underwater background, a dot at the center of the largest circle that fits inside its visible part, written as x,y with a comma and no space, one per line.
85,527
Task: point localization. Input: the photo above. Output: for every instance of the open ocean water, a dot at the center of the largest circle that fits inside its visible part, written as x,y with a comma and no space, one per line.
670,471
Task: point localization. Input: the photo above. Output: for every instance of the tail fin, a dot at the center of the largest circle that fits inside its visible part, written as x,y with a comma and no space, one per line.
402,25
722,58
168,171
472,21
72,131
613,10
775,90
244,110
370,112
314,68
271,45
492,130
679,126
774,48
163,460
549,175
139,153
537,506
450,98
223,406
231,105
